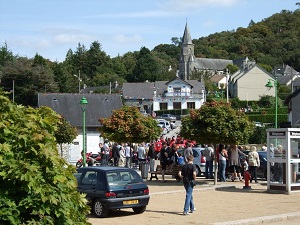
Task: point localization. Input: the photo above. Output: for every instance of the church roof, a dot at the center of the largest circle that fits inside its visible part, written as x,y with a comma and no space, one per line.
186,39
212,64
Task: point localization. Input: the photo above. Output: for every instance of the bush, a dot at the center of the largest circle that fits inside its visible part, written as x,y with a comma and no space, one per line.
36,185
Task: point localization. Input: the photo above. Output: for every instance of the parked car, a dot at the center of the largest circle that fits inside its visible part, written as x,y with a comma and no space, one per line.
168,117
111,188
164,130
258,124
173,125
165,124
199,159
262,169
144,112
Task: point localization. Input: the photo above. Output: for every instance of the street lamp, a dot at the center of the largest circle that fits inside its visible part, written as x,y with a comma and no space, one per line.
227,83
270,85
79,80
83,103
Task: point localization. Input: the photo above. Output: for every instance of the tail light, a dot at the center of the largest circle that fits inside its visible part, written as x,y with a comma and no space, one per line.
110,194
146,191
203,160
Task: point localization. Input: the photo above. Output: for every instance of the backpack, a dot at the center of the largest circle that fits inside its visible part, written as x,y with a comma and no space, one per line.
251,159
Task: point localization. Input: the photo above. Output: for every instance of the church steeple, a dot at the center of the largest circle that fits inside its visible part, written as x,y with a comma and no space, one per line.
187,55
186,39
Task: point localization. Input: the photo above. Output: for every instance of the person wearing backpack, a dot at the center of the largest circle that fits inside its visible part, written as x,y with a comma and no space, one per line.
254,163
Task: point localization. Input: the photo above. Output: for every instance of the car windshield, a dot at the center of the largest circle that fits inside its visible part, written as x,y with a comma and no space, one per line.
123,177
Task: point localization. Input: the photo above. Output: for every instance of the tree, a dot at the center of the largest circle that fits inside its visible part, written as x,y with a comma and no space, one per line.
65,133
216,122
5,55
129,125
37,186
29,79
146,67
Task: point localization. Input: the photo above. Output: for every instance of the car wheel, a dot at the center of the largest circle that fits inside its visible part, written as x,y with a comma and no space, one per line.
139,210
99,210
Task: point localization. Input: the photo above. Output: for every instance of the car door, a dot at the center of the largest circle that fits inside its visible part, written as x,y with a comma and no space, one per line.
90,184
263,165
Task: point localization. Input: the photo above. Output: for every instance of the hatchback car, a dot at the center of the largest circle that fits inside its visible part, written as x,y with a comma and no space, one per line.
111,188
199,159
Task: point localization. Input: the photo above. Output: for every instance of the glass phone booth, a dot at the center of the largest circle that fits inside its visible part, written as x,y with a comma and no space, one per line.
283,169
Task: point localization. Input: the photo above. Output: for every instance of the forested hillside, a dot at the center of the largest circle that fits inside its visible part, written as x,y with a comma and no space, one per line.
273,41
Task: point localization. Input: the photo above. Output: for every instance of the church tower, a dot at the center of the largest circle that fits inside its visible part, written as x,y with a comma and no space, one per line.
187,56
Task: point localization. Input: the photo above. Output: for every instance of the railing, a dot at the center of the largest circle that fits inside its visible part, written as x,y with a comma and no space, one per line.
177,94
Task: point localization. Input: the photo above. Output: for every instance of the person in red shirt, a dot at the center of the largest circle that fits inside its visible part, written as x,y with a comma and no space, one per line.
158,146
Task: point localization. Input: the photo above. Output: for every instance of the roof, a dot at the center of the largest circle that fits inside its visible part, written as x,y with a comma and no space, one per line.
104,168
186,39
212,64
67,105
217,78
290,96
146,90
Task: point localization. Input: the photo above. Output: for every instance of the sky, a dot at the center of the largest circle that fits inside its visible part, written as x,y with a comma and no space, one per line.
51,27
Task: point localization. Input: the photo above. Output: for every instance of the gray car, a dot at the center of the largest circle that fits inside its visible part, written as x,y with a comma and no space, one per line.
168,117
199,159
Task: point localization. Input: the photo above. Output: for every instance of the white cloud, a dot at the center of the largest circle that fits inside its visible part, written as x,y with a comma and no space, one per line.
123,39
72,38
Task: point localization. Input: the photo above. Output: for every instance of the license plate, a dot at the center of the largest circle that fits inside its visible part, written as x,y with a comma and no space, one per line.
130,202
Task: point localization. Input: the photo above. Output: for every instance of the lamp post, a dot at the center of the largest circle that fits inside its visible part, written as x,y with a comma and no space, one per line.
83,103
270,85
227,82
79,80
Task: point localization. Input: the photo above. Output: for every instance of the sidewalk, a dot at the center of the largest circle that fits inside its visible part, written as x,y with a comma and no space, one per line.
226,203
229,203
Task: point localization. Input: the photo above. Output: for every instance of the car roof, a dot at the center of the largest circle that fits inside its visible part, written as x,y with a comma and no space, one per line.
103,168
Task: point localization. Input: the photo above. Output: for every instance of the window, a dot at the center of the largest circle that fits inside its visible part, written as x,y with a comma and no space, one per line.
90,178
177,91
191,105
163,106
122,177
176,105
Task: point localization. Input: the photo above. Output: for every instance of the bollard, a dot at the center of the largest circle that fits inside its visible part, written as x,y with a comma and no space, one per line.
247,179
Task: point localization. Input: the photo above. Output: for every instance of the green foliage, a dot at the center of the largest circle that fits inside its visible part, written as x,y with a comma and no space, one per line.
29,79
36,185
259,136
129,125
232,68
216,122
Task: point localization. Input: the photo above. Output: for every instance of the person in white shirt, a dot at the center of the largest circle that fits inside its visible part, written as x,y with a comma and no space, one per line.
128,151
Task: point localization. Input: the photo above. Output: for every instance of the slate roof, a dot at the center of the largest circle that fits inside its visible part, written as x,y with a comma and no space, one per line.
99,106
146,90
212,64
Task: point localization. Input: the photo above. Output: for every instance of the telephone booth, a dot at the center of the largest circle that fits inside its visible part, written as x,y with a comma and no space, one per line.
283,169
